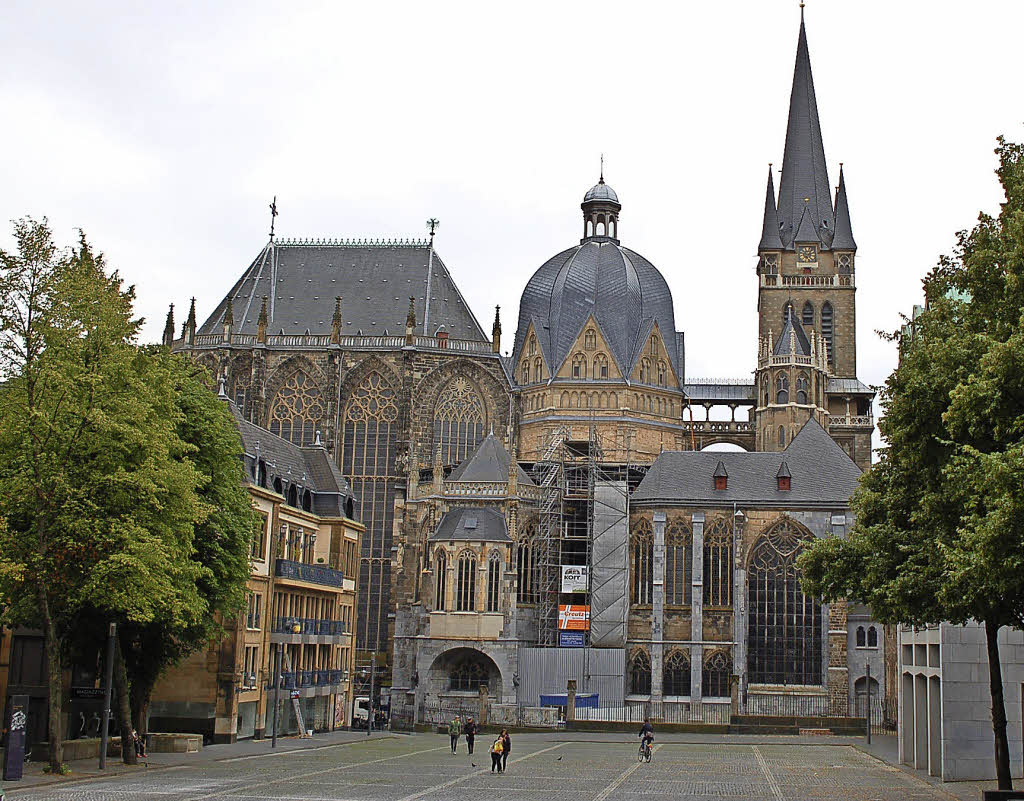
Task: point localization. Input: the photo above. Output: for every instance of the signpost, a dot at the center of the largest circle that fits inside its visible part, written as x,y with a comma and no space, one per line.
14,756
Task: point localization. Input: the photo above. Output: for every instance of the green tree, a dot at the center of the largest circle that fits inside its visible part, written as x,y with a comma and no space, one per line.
222,538
939,532
98,500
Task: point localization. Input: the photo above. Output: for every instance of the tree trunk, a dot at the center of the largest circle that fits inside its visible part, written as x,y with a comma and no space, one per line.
55,680
995,677
124,710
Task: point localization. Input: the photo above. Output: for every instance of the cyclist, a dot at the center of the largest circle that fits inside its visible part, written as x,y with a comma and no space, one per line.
646,734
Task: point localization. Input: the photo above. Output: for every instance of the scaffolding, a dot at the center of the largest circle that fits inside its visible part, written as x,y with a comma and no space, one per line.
582,520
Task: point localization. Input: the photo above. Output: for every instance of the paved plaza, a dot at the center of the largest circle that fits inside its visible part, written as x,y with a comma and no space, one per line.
540,768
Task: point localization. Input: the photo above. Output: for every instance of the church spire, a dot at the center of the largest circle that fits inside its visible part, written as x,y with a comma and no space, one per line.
770,239
844,230
169,327
804,181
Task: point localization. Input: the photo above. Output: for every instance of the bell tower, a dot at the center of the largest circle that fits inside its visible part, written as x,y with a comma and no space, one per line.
806,301
806,253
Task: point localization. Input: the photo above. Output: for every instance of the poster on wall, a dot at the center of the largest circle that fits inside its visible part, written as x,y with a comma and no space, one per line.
573,617
574,578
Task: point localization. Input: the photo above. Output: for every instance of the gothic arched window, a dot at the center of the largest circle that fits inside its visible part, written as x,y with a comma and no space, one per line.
717,562
861,637
494,582
872,637
538,371
298,410
662,373
368,462
802,387
640,673
527,564
600,366
590,339
782,436
716,678
678,563
645,371
785,626
676,674
654,345
468,675
643,562
787,310
579,366
826,330
808,315
524,372
440,580
458,421
465,583
781,388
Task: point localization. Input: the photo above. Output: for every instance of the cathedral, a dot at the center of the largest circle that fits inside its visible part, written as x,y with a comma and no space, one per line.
553,514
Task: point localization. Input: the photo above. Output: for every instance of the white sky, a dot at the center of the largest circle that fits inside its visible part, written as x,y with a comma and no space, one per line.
163,130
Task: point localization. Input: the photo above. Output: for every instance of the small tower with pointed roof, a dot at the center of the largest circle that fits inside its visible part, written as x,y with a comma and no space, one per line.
806,251
168,338
496,331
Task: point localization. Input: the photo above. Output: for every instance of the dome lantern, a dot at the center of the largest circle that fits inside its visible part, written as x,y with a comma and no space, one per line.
601,209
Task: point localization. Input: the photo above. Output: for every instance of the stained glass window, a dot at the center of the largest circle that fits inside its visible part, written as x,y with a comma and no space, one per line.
468,674
785,626
368,461
494,582
298,410
643,562
458,421
640,673
527,564
465,583
440,580
717,562
716,678
678,562
676,675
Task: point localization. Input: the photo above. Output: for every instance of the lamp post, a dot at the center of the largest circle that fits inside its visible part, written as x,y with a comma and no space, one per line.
277,695
373,675
108,681
867,686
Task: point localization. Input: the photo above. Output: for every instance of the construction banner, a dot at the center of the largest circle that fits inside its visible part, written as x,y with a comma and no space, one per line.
573,617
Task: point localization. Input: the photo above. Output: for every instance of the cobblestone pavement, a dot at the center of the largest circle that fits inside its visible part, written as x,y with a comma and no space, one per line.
540,768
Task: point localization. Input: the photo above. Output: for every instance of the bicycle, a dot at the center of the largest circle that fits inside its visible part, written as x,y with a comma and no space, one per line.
644,754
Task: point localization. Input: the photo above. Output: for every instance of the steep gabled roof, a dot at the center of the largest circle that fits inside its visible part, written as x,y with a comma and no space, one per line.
793,334
489,462
770,239
843,239
804,174
823,476
302,279
472,523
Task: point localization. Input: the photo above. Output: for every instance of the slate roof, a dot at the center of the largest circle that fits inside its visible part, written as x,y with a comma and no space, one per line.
375,282
852,386
804,174
823,476
792,332
306,467
489,462
600,191
843,239
725,391
623,290
770,239
474,523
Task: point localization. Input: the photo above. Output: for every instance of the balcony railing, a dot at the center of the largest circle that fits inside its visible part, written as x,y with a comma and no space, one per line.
315,574
348,342
851,420
775,279
308,625
295,679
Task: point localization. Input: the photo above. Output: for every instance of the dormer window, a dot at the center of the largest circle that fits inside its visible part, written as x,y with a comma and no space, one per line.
721,477
783,478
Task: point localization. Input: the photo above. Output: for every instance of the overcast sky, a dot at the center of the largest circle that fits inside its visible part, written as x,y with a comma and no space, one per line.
163,130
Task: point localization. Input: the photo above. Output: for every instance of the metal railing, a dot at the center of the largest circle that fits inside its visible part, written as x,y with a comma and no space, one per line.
296,679
314,574
349,342
787,705
308,625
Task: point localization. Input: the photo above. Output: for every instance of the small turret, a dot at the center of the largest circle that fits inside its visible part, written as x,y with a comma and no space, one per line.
496,331
410,323
189,331
261,322
336,322
229,319
168,339
770,239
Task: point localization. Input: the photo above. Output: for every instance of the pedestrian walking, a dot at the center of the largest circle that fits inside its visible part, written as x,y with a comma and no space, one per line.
470,731
506,746
454,730
496,750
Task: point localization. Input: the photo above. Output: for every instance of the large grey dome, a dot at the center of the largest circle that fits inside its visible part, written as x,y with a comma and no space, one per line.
625,293
601,191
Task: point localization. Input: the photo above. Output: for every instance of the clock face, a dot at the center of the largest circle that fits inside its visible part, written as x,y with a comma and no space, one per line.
807,254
